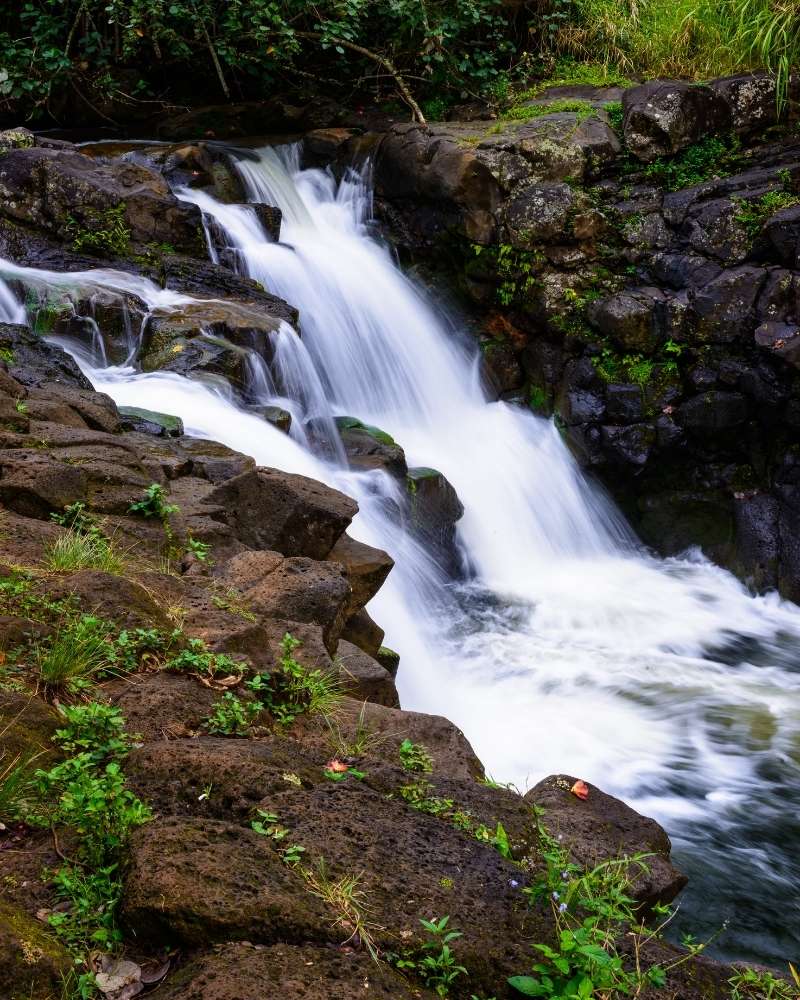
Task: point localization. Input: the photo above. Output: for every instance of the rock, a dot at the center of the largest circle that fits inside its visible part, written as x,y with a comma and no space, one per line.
276,416
16,138
628,318
757,539
602,827
293,972
723,310
152,422
624,404
782,232
216,462
780,339
34,362
366,567
389,660
161,706
33,484
200,881
629,445
540,213
434,509
285,513
32,961
663,117
299,588
113,598
752,100
363,632
69,194
28,723
369,447
363,678
713,411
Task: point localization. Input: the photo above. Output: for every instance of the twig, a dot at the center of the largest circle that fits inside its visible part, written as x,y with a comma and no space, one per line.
387,64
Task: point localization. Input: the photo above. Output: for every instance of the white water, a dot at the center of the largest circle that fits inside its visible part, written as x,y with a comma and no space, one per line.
663,681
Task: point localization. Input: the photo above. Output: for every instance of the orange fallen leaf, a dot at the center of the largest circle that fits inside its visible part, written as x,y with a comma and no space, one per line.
580,789
337,766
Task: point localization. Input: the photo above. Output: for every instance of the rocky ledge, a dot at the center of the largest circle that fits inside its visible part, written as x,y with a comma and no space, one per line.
634,255
250,845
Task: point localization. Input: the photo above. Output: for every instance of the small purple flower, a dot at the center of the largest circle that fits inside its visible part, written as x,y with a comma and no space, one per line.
555,896
513,883
562,907
564,876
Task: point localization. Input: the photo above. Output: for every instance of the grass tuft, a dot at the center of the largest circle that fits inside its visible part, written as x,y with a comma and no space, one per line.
76,550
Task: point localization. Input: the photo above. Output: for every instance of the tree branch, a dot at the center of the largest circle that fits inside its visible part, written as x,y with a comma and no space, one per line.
387,64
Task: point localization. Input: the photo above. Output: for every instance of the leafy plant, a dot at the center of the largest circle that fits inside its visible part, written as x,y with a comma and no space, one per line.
760,984
153,504
434,962
94,728
752,215
202,550
292,690
75,517
198,659
714,156
419,795
414,757
230,716
15,783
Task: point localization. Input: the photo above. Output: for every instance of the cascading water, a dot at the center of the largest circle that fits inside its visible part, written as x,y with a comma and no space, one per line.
570,649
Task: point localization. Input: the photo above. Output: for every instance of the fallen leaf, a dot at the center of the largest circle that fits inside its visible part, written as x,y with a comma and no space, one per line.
154,972
580,789
117,976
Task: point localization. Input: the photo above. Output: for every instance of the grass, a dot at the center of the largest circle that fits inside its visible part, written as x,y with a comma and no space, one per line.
347,900
72,658
528,112
360,741
15,781
699,39
712,157
753,214
76,550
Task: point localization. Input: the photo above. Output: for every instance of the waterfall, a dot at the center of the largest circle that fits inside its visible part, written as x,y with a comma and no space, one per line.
570,649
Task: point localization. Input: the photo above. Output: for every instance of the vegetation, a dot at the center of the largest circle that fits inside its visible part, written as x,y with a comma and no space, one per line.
292,690
753,214
76,550
414,757
73,657
102,232
434,961
86,793
103,57
231,716
714,156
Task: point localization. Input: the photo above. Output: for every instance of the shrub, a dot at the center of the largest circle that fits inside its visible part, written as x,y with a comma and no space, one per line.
292,690
231,716
414,757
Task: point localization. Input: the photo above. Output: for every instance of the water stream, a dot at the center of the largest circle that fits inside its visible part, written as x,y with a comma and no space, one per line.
569,648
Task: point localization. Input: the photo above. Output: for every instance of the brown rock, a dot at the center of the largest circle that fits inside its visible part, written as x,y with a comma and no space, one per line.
32,961
363,632
363,678
366,567
290,514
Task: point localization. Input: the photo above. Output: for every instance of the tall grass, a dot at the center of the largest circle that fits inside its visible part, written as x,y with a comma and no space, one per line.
73,656
686,38
79,550
15,782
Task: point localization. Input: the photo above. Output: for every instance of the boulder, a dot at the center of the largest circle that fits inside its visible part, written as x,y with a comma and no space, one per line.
434,509
713,411
32,961
151,422
69,194
780,339
363,632
366,567
201,881
723,310
540,213
662,117
782,232
286,513
602,827
369,447
299,588
239,971
629,318
752,99
34,362
363,677
159,706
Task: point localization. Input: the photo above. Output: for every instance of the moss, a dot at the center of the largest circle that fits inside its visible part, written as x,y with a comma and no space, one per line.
353,423
753,214
567,105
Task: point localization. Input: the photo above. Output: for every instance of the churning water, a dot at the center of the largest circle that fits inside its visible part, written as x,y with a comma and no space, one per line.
570,648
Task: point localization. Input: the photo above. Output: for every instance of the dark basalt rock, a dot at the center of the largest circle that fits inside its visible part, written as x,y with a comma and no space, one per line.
665,116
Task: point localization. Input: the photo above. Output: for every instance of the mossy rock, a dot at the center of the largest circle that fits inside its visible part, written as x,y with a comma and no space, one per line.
353,423
171,425
27,725
31,960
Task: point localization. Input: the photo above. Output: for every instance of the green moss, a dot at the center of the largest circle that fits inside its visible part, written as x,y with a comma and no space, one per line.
753,214
714,156
568,105
353,423
103,232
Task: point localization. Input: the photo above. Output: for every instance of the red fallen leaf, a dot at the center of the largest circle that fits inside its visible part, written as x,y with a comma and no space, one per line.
337,766
580,789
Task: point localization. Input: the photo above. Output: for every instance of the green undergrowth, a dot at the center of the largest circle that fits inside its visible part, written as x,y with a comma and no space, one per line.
614,366
564,105
712,157
86,795
752,215
102,232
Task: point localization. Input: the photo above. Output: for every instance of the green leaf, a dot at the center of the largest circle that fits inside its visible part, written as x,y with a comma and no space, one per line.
526,985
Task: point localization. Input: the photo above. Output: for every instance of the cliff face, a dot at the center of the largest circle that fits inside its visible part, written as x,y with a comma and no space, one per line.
635,262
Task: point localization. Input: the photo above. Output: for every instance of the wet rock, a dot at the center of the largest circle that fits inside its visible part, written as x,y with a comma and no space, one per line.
780,339
286,513
724,309
275,415
34,362
48,188
602,827
757,539
434,510
624,403
665,116
151,422
369,447
366,567
294,972
711,411
200,881
363,678
630,445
